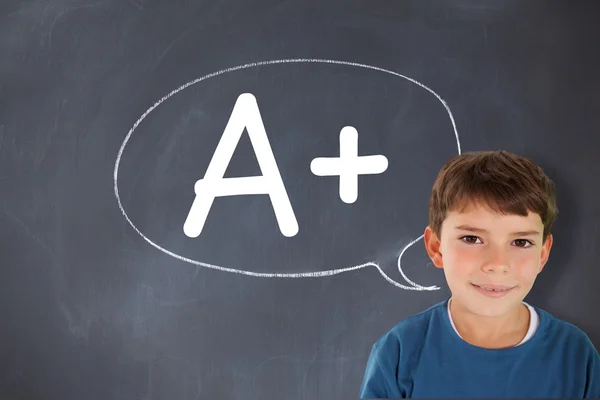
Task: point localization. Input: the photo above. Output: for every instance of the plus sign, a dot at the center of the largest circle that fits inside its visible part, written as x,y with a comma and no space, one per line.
348,165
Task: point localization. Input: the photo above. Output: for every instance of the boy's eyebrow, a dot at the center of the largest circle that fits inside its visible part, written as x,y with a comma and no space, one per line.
479,230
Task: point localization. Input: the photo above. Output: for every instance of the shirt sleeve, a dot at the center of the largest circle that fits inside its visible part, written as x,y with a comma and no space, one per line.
592,390
380,381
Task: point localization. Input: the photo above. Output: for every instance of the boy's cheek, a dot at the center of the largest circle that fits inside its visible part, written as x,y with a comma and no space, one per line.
530,273
460,261
459,269
528,266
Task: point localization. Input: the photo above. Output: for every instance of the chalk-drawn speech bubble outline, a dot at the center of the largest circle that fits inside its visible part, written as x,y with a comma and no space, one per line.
316,274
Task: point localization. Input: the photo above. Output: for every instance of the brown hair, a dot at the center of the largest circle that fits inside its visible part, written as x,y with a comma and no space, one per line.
503,181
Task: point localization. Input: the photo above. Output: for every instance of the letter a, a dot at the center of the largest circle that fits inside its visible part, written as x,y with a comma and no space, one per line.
245,114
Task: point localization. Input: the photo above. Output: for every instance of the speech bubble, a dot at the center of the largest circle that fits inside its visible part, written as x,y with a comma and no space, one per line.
180,160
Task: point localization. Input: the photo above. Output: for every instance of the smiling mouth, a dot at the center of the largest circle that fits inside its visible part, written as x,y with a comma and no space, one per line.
494,288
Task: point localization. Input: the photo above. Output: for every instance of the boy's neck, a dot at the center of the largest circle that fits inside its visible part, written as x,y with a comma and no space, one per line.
492,333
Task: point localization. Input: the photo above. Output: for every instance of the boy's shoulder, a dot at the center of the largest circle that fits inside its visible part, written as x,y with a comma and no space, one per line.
412,329
415,329
556,329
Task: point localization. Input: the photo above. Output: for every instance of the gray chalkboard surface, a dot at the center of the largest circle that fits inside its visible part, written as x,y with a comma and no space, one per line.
328,121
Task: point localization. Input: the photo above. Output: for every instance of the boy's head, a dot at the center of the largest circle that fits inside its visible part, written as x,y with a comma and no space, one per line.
491,215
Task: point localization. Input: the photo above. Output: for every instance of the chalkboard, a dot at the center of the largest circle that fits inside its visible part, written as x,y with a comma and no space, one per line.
225,200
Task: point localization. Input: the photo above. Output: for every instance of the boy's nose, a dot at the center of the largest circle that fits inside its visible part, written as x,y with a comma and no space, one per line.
497,261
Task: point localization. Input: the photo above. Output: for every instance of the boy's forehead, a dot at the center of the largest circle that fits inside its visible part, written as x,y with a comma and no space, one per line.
478,215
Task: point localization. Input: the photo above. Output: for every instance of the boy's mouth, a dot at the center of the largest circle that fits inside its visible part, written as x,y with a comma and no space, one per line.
495,291
495,288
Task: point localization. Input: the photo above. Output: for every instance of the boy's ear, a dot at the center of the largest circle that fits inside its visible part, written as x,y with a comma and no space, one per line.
545,252
433,247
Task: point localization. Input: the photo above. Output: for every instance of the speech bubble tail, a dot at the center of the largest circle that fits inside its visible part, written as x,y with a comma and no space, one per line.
399,263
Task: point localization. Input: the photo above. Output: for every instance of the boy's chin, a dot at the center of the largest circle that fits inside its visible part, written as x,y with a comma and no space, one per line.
495,312
494,308
483,306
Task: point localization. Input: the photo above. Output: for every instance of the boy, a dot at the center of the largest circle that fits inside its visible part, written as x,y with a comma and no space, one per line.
490,230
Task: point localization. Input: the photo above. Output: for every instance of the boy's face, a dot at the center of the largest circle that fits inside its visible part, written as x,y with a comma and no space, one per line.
479,247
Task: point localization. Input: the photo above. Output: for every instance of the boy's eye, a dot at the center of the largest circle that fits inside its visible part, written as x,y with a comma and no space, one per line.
469,239
519,242
523,243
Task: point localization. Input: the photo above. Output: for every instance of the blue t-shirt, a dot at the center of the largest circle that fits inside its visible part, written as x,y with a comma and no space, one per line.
423,356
